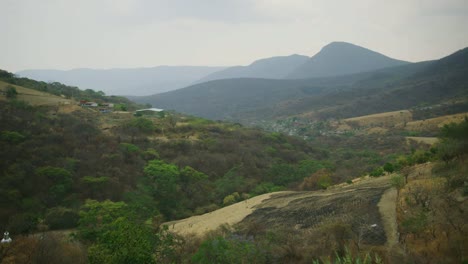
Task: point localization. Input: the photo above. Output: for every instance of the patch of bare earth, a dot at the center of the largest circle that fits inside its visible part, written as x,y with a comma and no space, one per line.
230,215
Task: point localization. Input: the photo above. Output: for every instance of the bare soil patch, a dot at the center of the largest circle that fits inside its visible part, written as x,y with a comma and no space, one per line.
230,215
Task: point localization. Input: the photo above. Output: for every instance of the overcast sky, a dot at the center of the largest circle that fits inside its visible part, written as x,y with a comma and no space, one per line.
66,34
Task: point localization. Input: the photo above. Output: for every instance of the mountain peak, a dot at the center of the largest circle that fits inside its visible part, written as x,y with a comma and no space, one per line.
339,44
342,58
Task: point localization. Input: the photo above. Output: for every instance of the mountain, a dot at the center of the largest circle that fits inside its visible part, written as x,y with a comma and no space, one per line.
270,68
341,58
431,83
249,100
132,81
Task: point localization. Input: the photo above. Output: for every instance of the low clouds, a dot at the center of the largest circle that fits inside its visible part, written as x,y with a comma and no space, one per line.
68,34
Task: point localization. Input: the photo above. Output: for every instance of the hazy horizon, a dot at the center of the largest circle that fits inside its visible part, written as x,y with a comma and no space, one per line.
65,35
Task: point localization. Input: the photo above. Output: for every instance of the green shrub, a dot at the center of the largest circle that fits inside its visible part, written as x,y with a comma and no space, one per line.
12,137
61,218
222,250
415,224
377,172
388,167
11,92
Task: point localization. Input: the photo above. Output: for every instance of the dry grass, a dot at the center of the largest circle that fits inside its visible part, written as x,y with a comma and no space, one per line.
230,215
435,123
34,97
387,119
424,140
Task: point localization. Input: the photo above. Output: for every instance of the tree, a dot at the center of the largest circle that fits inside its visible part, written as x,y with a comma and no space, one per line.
95,185
164,180
61,218
12,137
377,172
123,241
59,181
194,185
120,107
138,126
321,179
95,216
231,182
454,141
11,92
388,167
115,234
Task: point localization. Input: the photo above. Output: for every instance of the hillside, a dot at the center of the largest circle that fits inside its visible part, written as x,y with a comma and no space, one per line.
270,68
341,58
399,217
85,154
131,81
33,97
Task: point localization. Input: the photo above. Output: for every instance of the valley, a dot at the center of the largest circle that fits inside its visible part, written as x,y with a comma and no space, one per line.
367,165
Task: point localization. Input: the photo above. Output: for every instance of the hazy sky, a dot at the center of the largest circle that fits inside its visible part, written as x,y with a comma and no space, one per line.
66,34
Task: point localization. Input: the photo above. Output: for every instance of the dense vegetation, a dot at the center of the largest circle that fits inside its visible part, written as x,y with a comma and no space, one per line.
52,163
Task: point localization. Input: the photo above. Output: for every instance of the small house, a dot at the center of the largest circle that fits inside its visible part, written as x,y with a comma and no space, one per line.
89,104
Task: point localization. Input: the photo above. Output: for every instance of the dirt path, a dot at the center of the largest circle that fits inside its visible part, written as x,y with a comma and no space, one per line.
387,209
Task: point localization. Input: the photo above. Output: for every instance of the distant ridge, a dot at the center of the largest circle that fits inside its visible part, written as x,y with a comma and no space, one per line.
270,68
342,58
130,81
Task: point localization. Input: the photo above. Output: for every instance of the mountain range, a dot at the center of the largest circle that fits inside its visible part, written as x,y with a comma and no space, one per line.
381,90
337,58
